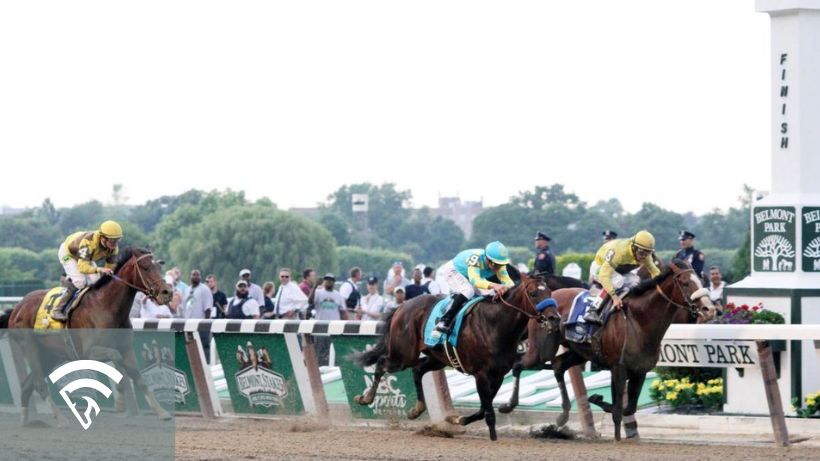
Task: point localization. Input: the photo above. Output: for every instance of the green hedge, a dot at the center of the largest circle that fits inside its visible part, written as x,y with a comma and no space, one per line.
372,262
582,259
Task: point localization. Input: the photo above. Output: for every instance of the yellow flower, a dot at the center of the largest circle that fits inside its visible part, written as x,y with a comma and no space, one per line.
810,401
671,395
670,382
701,386
656,383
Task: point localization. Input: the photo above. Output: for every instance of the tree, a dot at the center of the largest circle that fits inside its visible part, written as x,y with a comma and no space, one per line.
148,215
336,225
774,247
118,197
663,224
48,212
542,197
257,237
30,231
85,216
386,212
741,267
371,262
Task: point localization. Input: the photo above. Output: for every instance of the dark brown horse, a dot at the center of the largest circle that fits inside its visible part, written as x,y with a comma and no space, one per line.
629,343
105,306
486,345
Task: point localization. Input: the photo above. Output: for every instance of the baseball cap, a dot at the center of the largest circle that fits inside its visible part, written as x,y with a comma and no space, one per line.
398,289
241,282
244,272
371,280
329,276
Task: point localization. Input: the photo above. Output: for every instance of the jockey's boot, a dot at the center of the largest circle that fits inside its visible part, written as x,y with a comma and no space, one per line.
445,323
58,311
593,315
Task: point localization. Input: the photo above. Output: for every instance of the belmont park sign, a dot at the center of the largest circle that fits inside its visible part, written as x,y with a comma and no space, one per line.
712,354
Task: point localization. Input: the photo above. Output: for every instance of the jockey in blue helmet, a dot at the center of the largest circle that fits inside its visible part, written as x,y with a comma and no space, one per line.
469,271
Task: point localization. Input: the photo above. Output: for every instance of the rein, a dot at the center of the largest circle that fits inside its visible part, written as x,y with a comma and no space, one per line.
540,318
148,291
690,305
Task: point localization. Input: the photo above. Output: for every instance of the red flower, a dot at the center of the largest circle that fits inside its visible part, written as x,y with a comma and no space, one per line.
730,306
745,307
756,308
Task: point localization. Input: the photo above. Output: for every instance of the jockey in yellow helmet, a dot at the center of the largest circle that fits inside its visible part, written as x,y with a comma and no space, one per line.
613,266
78,255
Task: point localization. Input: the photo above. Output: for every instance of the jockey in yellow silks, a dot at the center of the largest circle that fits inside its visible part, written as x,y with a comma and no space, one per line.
78,255
468,272
613,266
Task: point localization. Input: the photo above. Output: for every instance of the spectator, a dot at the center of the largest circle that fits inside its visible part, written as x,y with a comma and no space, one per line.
716,285
372,303
176,297
254,290
432,286
398,298
178,283
609,235
290,301
242,305
198,300
415,288
350,290
544,259
329,306
220,300
197,304
268,291
395,278
308,281
688,253
151,310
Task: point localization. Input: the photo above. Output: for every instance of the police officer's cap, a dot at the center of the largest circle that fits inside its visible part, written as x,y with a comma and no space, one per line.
686,235
610,234
542,236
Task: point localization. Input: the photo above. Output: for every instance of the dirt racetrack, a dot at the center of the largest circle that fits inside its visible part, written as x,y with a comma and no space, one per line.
259,439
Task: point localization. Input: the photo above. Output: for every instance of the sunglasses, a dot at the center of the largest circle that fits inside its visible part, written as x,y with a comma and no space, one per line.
284,276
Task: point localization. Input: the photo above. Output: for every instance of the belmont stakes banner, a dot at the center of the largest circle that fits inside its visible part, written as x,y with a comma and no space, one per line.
396,393
259,374
163,363
709,354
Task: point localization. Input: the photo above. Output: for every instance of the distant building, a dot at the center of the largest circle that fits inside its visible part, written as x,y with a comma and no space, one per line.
461,212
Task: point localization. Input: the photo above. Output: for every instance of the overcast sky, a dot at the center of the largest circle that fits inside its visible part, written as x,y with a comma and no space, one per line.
641,100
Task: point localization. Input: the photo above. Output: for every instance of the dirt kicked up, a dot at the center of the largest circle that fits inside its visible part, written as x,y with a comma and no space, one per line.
261,439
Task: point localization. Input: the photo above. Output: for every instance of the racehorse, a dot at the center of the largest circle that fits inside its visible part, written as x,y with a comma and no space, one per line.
629,342
486,345
105,306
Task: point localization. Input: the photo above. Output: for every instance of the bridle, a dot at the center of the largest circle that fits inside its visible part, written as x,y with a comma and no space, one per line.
147,290
691,306
540,318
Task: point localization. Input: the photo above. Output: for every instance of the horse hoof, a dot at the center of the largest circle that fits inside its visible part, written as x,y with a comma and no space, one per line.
506,408
562,419
416,411
358,399
452,419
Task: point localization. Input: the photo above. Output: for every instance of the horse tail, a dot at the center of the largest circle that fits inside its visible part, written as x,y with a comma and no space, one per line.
4,318
370,357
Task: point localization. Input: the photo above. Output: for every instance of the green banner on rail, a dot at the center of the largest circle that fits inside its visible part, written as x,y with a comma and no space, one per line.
163,363
396,393
259,374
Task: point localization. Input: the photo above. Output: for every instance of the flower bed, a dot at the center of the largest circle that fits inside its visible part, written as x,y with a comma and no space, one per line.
812,407
680,393
745,314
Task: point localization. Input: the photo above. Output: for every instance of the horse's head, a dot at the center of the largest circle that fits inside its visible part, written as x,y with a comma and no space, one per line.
687,291
538,293
138,269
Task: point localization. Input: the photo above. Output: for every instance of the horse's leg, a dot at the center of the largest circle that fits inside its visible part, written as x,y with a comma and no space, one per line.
425,365
480,383
370,394
513,402
491,386
560,365
634,388
618,384
26,389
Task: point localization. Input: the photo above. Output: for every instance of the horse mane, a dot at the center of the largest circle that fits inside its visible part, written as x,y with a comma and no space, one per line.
650,284
125,255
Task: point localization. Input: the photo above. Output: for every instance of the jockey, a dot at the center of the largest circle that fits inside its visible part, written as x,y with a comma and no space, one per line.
612,269
78,255
469,271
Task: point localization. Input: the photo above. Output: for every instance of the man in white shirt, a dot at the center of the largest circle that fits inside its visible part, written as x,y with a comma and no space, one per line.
254,290
395,278
372,303
428,280
716,285
350,290
290,302
197,299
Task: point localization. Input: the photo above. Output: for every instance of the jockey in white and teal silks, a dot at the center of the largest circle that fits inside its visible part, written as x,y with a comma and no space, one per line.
469,271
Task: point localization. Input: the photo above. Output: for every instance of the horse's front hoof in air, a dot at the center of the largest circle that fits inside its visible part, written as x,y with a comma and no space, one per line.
454,419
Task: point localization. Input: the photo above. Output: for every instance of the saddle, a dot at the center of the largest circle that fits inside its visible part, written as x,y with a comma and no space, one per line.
43,321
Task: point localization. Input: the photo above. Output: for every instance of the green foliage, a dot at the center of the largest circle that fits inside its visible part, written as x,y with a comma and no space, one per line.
337,225
582,259
29,231
372,262
520,254
86,216
685,393
386,212
257,237
148,215
742,265
18,264
812,405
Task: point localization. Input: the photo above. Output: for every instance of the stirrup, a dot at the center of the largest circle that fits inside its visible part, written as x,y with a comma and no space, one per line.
593,317
58,315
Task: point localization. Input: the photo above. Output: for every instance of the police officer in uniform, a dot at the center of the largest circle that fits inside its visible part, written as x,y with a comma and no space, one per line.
688,253
544,259
609,235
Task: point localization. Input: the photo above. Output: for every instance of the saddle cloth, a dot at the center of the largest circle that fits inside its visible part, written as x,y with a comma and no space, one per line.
435,314
43,320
